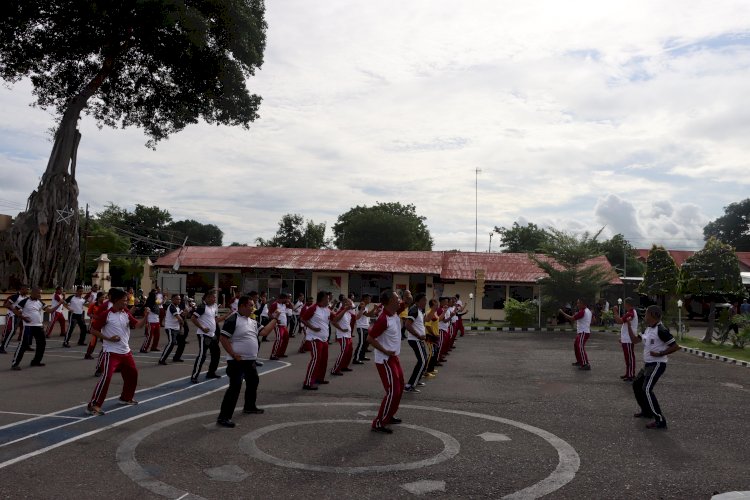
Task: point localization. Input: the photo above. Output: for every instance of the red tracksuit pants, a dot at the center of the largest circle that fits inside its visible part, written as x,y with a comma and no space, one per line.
282,340
629,353
393,382
316,368
112,362
153,333
345,356
57,317
444,344
580,348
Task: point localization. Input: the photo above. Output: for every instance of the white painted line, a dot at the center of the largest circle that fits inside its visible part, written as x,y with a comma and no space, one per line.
422,487
117,424
7,426
40,415
493,437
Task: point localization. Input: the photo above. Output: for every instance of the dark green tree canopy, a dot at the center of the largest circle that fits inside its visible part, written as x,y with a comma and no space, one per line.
198,234
156,64
384,226
713,272
661,273
622,255
732,228
295,232
522,239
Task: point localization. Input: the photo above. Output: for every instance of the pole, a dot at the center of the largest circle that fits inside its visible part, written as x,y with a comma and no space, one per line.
476,207
489,248
624,262
85,245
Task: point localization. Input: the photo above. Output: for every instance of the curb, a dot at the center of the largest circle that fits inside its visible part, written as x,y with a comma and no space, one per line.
715,357
531,329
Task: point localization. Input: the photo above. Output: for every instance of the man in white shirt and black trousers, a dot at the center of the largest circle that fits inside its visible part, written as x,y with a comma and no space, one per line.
31,310
239,337
204,318
658,343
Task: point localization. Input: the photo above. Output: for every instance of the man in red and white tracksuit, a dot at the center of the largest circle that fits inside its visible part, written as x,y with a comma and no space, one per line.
56,314
583,332
444,324
385,337
282,304
343,329
629,318
113,327
317,319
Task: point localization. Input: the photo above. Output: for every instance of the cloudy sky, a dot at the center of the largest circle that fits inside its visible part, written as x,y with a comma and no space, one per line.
632,115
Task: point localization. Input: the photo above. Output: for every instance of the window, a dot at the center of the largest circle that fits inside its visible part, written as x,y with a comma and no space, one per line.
521,293
494,297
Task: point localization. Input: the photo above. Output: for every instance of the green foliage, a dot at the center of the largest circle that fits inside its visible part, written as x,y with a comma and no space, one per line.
621,254
742,336
520,314
661,273
384,226
713,272
569,277
522,239
156,64
198,234
294,232
732,228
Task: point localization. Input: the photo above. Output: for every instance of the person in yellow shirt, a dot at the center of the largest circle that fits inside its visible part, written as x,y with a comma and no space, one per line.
432,330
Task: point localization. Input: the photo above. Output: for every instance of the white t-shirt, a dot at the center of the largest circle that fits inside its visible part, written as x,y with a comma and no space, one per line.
343,327
417,316
75,304
57,301
656,338
33,309
318,317
242,332
454,318
583,324
112,323
206,317
297,307
632,318
234,305
153,317
364,320
387,329
444,321
170,319
264,310
282,309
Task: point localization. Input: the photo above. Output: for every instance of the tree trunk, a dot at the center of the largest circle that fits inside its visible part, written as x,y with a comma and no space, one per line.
710,330
45,237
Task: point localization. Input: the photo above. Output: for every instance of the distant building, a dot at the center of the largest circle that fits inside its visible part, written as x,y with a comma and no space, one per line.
491,277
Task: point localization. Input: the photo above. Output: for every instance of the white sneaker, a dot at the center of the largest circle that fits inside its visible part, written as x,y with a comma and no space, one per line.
411,389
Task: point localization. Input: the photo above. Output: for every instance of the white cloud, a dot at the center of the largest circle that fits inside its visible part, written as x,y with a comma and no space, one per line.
578,113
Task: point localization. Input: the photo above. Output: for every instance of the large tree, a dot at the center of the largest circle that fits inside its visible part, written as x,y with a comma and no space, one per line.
384,226
732,228
661,275
156,64
570,274
522,239
714,274
621,254
197,233
295,232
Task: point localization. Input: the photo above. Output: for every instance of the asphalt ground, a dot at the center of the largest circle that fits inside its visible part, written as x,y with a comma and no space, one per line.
506,415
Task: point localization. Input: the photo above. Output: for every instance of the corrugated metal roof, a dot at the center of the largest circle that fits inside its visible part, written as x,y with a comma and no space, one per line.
508,267
680,256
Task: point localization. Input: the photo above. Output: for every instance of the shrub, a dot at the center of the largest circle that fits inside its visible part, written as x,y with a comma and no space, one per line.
521,314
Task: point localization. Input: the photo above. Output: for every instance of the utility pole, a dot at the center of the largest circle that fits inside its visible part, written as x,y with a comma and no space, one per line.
85,245
489,248
476,207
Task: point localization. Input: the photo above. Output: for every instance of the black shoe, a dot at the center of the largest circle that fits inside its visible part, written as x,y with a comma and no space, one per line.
3,351
585,367
323,382
36,364
395,420
283,356
97,374
347,370
358,362
65,344
338,374
274,358
79,343
657,424
309,388
212,375
193,380
178,360
628,379
382,430
225,422
576,364
162,362
30,349
16,368
258,363
254,411
365,358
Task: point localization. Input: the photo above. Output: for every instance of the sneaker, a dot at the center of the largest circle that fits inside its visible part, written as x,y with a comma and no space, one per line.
132,402
254,411
97,373
212,375
657,424
178,360
193,380
323,382
430,375
65,344
3,351
94,410
15,368
576,364
628,379
358,362
585,367
347,370
421,384
88,356
142,351
36,364
309,388
411,389
225,422
274,358
258,363
162,362
338,374
365,358
395,420
382,430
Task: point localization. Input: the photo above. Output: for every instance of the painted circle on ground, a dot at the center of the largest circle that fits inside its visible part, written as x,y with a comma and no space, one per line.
567,466
451,448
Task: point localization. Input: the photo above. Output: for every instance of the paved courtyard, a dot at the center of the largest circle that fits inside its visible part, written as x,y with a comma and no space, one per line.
507,416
